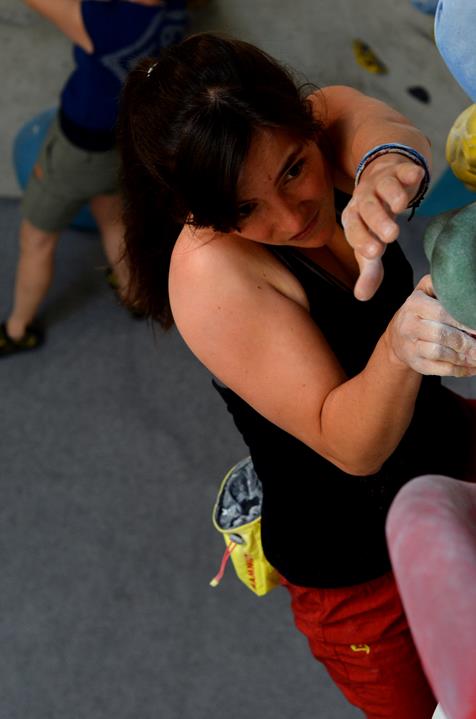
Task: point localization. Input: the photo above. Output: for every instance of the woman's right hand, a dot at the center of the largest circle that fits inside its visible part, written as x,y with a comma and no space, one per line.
423,336
386,188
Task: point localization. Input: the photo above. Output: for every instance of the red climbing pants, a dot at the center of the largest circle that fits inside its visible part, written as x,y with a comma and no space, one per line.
361,636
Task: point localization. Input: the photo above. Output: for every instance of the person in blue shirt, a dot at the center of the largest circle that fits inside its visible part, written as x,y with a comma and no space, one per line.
78,162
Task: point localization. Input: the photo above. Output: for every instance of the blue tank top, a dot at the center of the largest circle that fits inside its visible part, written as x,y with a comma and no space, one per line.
122,32
322,527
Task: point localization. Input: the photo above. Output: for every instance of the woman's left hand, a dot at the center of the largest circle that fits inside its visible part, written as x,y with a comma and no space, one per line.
385,189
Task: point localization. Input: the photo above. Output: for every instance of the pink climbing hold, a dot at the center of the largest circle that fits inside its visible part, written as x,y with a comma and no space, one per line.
431,532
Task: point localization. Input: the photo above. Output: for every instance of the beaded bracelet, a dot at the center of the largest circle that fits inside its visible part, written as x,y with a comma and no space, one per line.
400,149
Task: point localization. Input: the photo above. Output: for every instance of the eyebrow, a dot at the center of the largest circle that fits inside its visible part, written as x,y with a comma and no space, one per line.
287,164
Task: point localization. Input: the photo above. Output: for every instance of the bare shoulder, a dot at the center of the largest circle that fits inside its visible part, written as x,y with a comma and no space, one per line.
246,318
334,100
217,279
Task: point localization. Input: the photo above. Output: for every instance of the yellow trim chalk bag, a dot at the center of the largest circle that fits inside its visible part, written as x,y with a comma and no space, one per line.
237,516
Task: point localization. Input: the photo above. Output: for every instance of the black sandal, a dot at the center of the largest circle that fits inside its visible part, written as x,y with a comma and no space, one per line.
31,340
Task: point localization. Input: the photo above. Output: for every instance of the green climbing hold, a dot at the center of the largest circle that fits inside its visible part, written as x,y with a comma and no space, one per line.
450,246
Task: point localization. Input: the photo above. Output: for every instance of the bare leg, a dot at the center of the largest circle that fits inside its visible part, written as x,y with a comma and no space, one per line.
34,275
107,211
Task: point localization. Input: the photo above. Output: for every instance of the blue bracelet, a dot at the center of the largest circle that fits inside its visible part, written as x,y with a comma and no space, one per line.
400,149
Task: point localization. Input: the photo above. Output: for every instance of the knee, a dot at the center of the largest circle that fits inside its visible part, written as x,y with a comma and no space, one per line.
36,241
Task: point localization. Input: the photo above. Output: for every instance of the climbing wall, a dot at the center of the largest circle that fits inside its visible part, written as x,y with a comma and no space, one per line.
317,38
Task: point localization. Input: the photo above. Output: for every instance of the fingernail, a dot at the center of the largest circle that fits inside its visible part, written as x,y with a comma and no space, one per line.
388,229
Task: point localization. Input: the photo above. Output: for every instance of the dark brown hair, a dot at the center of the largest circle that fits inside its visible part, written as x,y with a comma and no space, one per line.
185,126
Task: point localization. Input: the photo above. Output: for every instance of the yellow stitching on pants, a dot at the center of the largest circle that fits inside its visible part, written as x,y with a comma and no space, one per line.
360,648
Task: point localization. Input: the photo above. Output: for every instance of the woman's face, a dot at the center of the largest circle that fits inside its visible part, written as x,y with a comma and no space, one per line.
285,192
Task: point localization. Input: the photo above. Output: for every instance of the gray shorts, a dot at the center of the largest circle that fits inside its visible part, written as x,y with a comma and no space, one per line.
64,179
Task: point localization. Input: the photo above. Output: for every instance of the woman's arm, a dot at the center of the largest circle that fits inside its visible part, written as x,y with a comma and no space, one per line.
247,321
355,124
421,339
67,16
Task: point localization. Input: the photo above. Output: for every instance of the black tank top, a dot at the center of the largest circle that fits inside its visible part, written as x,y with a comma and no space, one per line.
322,527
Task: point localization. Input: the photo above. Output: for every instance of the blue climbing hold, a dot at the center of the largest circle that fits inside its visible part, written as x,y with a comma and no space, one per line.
455,31
26,148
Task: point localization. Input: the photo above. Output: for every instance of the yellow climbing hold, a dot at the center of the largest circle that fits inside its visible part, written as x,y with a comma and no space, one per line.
461,147
367,59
